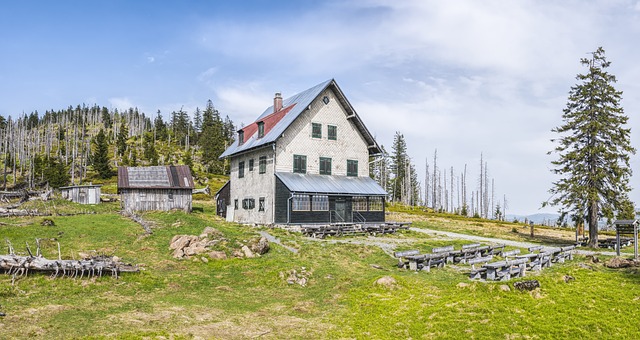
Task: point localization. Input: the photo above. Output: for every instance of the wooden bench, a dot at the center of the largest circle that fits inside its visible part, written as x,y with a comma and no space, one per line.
472,245
463,255
510,253
426,261
496,249
536,249
401,256
505,270
478,273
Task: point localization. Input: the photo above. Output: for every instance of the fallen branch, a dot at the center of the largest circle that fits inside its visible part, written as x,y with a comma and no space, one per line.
96,266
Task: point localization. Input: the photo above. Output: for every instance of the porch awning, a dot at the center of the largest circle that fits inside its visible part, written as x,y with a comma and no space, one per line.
325,184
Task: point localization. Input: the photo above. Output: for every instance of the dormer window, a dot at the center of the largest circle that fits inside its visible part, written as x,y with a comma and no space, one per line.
260,129
240,137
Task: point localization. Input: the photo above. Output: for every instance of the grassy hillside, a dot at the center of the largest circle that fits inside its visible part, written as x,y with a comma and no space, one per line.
251,298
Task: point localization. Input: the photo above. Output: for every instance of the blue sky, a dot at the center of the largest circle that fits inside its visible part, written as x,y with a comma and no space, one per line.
465,77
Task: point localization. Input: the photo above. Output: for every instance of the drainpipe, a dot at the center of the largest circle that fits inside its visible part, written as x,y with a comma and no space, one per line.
273,200
289,208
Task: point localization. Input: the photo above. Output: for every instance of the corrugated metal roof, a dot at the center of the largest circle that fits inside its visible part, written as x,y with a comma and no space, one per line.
330,184
155,177
300,102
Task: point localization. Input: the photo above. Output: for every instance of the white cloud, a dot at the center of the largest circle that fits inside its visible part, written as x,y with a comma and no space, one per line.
121,103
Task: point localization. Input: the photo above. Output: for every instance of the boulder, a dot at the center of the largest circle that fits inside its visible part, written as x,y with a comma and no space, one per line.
211,233
182,242
247,252
260,247
618,262
527,285
387,281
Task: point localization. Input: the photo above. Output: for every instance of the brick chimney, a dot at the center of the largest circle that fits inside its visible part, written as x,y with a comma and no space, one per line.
277,102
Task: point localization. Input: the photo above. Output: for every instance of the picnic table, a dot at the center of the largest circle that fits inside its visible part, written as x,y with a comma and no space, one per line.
426,261
504,270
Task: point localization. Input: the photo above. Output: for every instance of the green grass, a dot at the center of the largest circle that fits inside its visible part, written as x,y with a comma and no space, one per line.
246,298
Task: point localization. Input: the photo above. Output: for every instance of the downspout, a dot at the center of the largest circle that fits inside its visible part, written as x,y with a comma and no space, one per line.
289,208
273,200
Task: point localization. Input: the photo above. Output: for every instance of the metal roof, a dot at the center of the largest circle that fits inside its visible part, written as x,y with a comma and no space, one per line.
345,185
155,177
297,104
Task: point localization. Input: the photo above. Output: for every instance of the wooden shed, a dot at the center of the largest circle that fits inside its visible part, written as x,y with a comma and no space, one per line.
83,194
155,188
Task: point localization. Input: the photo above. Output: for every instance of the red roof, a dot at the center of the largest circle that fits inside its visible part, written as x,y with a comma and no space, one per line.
269,122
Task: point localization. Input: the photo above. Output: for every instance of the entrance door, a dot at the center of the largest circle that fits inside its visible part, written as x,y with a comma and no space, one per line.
341,211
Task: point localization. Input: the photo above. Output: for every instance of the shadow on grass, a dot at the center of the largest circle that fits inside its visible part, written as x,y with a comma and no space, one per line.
547,239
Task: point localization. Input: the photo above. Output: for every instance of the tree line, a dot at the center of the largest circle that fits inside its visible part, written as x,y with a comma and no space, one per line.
445,189
79,144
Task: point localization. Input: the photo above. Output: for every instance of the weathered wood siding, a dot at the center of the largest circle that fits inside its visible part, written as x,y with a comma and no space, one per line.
223,200
82,194
156,199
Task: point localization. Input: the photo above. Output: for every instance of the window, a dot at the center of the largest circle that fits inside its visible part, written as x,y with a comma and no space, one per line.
325,166
352,167
332,132
248,203
316,130
251,164
170,196
300,203
325,100
360,203
376,203
240,137
320,203
260,129
241,169
262,164
261,204
300,164
235,204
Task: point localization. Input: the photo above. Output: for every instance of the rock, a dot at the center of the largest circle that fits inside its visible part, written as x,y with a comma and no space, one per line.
527,285
204,259
211,233
218,255
195,249
183,241
247,252
505,288
178,254
462,285
237,253
47,222
376,266
568,278
387,281
593,258
618,262
261,247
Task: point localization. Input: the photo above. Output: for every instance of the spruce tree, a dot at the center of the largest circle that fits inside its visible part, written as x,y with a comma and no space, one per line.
593,149
123,135
100,157
398,166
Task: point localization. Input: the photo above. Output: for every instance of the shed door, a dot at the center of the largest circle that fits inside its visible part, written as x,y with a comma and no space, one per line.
92,196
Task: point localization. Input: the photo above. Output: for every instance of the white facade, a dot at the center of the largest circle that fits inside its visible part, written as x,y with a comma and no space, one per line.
252,193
